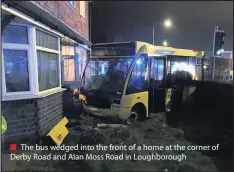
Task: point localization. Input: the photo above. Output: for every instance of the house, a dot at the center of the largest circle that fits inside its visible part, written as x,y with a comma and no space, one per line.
44,45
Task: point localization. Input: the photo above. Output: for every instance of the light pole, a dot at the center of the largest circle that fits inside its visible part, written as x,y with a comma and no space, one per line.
153,34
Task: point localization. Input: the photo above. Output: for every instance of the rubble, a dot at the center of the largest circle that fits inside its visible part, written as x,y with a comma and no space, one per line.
84,128
93,130
110,125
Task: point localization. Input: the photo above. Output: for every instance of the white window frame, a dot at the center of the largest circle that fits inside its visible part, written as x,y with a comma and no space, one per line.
81,11
25,47
48,50
72,3
31,49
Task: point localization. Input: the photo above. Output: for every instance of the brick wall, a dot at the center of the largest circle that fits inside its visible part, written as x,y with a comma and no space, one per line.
21,118
68,14
49,112
32,118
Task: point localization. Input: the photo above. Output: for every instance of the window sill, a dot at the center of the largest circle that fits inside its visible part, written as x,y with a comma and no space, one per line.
21,97
52,92
24,97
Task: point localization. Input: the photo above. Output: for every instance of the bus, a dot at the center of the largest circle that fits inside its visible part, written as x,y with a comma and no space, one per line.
131,80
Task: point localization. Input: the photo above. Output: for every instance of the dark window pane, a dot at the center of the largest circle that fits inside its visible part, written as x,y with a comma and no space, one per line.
15,34
46,40
157,69
138,79
48,70
16,70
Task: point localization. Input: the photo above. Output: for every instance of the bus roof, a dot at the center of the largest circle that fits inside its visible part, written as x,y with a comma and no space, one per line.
146,48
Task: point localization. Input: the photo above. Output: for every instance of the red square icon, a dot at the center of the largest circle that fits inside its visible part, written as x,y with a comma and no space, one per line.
13,147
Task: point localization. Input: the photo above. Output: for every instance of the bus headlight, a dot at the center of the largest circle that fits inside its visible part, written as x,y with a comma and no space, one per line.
115,107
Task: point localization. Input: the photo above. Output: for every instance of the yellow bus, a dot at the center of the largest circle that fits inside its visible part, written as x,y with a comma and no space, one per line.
131,80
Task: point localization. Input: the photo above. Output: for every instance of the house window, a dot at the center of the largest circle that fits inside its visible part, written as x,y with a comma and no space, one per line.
68,63
48,55
15,60
82,8
16,70
31,61
48,70
72,3
74,58
81,58
15,34
46,40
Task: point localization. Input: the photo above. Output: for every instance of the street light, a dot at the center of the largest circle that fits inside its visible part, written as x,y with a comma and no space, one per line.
167,23
165,43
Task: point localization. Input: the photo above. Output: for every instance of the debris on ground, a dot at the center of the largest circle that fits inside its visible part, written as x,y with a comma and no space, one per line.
111,125
90,130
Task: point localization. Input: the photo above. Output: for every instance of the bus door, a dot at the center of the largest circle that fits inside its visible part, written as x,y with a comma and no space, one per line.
157,87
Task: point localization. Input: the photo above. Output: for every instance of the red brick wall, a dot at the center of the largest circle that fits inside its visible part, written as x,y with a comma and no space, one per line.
68,14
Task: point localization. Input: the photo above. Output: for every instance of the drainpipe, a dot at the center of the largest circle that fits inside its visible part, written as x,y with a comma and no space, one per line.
90,13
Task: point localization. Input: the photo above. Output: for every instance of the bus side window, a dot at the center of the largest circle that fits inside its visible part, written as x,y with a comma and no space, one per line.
157,69
137,81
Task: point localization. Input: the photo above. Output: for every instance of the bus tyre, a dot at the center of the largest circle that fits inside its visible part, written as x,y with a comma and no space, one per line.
136,114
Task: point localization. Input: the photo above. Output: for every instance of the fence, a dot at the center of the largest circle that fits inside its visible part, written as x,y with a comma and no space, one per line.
221,64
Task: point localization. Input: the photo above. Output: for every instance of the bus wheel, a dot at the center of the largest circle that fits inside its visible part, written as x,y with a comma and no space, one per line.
134,116
138,113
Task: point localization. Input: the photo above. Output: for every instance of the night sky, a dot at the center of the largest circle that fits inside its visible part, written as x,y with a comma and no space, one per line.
193,22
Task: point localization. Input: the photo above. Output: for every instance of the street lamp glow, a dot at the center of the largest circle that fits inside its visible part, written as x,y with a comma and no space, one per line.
168,23
165,43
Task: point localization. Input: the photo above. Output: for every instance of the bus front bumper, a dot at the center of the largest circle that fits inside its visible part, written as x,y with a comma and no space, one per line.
123,113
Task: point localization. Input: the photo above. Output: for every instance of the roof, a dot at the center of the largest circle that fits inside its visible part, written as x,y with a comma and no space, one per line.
164,50
146,48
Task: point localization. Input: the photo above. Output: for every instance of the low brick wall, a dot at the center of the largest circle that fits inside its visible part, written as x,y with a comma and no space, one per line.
217,96
217,99
207,116
21,118
212,97
32,118
49,112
